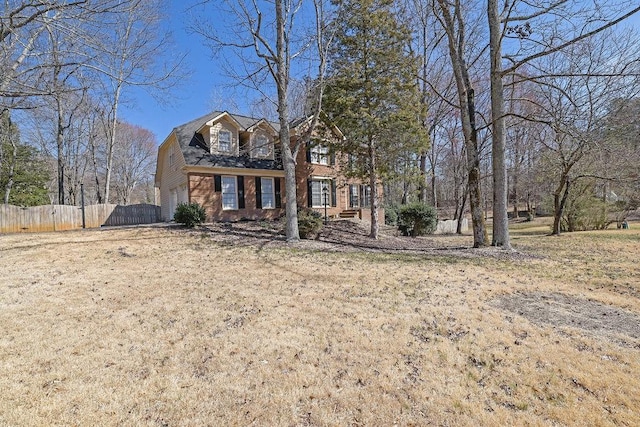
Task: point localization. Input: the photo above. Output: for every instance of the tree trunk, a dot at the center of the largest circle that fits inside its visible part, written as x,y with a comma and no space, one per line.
423,178
434,194
12,168
374,192
94,160
516,212
288,159
559,201
60,153
466,98
111,143
291,207
500,190
462,208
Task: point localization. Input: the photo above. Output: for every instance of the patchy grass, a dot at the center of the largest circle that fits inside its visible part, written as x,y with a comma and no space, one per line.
168,327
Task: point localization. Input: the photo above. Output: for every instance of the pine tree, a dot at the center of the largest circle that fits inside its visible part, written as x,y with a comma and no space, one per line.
372,93
23,173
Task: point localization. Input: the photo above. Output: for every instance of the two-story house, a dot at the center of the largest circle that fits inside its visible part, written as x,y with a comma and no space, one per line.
231,165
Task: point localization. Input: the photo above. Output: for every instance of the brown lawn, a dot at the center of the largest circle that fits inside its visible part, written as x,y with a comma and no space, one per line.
228,325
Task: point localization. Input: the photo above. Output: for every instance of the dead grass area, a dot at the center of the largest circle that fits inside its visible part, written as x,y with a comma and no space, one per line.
229,325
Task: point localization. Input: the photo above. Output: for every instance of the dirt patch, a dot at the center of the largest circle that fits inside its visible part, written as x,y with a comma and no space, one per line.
560,310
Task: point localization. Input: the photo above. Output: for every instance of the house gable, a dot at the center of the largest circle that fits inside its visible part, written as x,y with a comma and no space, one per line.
261,140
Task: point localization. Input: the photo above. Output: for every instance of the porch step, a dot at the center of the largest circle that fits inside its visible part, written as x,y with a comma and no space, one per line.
349,213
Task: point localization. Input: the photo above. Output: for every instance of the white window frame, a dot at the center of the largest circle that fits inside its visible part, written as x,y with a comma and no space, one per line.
321,183
262,148
229,189
268,202
221,142
366,196
172,156
320,154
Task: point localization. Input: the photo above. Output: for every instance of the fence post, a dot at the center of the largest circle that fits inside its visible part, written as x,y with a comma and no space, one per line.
84,223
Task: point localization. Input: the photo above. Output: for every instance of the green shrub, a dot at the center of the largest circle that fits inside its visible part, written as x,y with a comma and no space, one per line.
417,219
309,223
190,214
391,215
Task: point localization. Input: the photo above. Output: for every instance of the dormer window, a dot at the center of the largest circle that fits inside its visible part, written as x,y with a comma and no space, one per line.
224,140
262,146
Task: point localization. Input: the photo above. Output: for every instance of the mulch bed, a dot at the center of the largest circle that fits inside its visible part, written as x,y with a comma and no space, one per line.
351,236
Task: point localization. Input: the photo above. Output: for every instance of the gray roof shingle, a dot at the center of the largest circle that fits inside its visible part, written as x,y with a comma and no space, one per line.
196,153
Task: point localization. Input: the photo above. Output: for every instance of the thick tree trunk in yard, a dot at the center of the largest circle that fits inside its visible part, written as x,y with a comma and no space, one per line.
291,207
288,159
500,190
559,201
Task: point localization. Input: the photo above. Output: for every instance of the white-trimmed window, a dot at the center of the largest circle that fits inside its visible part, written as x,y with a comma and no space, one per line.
320,154
268,193
229,193
318,189
262,146
366,196
224,140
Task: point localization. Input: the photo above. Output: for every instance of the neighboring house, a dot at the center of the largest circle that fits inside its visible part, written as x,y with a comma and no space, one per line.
231,165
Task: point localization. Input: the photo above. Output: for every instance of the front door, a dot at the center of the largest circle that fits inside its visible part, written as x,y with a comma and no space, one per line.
354,196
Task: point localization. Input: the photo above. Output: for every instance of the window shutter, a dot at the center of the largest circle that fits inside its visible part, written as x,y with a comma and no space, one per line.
240,180
334,200
309,194
276,182
308,153
217,183
258,192
332,158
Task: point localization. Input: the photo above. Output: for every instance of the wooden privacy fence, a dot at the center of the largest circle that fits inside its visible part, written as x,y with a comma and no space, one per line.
14,219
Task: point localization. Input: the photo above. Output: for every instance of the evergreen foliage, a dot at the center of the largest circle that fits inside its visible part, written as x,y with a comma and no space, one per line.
391,214
190,214
417,219
309,223
24,174
372,93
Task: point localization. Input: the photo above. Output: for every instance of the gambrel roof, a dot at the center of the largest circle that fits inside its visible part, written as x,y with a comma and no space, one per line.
196,152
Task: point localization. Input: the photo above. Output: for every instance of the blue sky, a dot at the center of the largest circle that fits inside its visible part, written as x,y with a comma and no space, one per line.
192,99
206,89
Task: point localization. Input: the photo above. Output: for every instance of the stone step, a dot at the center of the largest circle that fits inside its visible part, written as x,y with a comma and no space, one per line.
350,213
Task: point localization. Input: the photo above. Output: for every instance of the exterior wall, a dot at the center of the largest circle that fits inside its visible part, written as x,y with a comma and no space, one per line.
202,191
306,170
172,177
223,124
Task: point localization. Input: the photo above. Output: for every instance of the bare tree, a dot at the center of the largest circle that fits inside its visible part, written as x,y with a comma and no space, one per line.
268,41
133,160
452,19
536,29
129,52
584,82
